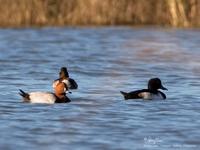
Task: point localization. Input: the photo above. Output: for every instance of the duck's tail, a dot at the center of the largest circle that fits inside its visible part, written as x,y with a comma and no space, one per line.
73,83
124,94
24,95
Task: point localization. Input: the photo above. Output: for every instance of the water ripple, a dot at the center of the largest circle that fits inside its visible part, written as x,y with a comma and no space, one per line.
103,61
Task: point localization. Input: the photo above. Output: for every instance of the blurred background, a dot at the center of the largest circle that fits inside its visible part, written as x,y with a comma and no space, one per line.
176,13
108,46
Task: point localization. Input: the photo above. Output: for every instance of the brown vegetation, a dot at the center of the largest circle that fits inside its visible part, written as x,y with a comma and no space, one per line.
178,13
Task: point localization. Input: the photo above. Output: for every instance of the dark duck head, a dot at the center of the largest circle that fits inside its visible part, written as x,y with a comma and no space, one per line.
154,84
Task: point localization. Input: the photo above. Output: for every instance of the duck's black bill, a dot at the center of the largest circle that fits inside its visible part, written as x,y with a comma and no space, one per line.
163,88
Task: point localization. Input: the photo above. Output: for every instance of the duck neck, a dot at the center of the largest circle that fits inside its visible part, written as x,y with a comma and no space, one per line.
155,91
64,78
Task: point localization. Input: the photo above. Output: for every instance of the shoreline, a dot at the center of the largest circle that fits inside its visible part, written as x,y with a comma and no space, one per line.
99,26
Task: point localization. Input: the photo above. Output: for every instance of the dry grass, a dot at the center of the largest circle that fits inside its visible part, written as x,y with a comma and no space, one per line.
17,13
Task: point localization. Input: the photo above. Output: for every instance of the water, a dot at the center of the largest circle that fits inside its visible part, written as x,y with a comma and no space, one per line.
103,61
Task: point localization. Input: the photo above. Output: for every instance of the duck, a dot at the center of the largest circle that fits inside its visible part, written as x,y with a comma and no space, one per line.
151,93
59,95
42,97
61,87
64,77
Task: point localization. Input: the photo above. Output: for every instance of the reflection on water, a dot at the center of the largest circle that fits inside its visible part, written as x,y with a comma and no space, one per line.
103,61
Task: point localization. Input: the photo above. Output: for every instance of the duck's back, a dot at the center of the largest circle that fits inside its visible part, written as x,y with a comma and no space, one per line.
42,97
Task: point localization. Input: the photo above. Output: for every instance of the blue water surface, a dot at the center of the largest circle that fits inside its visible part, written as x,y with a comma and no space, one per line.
103,61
